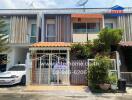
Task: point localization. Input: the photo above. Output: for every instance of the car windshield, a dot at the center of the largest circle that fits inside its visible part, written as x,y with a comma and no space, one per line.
17,68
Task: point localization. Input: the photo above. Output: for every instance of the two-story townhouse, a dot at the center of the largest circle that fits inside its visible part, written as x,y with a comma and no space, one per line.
48,33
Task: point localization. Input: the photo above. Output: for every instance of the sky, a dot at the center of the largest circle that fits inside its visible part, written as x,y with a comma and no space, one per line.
27,4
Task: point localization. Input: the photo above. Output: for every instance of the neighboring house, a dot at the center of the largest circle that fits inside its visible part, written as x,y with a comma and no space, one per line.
47,33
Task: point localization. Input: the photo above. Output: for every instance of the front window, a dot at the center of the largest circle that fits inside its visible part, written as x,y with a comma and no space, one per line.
51,32
86,27
17,68
109,25
33,33
79,27
92,27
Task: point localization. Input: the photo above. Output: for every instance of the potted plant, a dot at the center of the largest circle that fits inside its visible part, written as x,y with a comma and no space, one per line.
113,81
98,72
104,86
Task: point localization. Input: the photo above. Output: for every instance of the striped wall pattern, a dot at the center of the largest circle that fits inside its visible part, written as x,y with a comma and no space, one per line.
18,29
63,28
125,23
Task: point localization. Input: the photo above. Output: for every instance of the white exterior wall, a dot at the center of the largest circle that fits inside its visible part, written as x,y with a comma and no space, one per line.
20,55
83,37
11,57
15,55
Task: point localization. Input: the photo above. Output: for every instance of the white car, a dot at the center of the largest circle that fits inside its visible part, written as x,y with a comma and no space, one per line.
16,74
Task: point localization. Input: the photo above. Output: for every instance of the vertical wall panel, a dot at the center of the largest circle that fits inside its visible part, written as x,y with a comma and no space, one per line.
125,23
18,28
63,28
43,31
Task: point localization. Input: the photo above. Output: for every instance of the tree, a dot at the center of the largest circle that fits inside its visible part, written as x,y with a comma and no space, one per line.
3,36
81,51
110,37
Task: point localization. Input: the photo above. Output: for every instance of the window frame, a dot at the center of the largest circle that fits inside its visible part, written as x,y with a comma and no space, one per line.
109,23
50,22
33,36
92,32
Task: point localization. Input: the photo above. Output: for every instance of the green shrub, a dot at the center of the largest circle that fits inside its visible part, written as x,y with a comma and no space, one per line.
98,72
81,51
113,78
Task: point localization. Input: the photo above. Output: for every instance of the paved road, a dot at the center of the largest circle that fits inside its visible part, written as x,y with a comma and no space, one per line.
51,97
17,93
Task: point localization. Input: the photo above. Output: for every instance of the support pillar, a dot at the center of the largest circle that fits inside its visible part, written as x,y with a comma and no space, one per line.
28,77
118,64
33,68
103,22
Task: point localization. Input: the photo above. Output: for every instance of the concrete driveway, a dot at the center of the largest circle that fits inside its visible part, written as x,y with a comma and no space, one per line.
19,93
12,89
10,96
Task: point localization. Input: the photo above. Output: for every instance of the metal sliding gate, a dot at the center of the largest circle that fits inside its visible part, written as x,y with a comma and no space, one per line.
128,77
50,69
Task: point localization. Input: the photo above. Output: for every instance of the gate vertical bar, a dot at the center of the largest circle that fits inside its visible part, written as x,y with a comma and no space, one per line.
50,66
40,71
68,65
49,69
57,74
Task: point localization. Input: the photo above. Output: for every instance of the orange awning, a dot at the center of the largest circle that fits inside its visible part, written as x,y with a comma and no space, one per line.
99,16
51,44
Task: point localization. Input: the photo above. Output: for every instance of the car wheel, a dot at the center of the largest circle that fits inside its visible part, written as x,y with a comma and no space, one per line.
23,80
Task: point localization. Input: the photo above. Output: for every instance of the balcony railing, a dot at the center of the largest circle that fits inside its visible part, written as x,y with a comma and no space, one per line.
85,30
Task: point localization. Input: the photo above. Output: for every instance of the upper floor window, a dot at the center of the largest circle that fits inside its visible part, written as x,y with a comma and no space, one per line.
109,25
79,27
86,27
33,33
93,27
50,30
